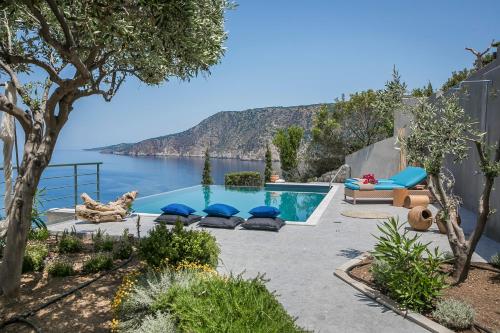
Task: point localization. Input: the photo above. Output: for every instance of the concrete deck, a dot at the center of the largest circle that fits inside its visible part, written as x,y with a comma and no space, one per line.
300,261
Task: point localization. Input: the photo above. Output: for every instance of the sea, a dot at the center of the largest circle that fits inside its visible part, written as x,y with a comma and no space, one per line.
119,174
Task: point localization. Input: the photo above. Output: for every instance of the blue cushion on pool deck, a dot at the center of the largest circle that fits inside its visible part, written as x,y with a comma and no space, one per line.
221,210
265,211
178,209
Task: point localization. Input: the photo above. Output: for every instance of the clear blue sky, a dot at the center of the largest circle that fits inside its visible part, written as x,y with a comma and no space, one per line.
297,52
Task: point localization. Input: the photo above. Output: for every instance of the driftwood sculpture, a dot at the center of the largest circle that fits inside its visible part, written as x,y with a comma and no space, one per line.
113,211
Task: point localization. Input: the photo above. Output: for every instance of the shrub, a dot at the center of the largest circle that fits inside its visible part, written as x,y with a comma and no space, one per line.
410,272
228,304
97,263
495,260
60,268
155,323
122,249
39,234
34,256
245,178
164,246
204,302
102,242
454,314
69,243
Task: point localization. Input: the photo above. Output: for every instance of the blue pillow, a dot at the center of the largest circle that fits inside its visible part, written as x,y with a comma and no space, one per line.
178,209
265,211
221,210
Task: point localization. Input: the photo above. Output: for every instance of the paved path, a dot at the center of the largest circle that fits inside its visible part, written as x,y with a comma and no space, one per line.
300,260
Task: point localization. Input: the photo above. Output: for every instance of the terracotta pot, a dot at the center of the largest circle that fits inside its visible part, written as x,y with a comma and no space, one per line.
416,200
420,218
274,178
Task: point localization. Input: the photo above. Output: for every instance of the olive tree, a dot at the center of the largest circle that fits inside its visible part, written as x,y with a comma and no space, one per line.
85,48
441,130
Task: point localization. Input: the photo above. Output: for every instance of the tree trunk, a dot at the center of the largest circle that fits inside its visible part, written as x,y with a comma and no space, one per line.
35,159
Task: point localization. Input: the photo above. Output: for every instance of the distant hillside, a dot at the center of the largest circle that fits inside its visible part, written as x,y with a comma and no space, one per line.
228,134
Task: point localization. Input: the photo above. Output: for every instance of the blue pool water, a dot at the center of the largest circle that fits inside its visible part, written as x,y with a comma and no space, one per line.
294,206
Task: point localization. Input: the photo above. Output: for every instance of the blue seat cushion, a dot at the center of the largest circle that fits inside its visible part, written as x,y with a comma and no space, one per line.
381,186
222,210
410,176
178,209
264,211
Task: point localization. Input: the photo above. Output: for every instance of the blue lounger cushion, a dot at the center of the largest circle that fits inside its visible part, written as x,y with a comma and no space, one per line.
381,180
410,176
381,186
407,178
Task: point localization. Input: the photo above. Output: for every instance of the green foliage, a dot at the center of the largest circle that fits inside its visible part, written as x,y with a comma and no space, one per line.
368,116
426,91
34,256
288,143
204,302
407,270
98,262
439,129
164,246
456,78
69,242
454,314
232,304
102,242
354,123
244,178
495,260
158,322
60,268
151,40
327,150
206,178
122,249
39,234
269,164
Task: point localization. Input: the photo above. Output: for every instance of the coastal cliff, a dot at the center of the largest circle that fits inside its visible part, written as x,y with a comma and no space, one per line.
227,134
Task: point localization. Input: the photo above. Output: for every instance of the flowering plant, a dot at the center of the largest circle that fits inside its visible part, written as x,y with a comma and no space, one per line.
369,179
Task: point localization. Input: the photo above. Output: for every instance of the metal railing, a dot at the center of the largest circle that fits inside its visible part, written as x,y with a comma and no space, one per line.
71,182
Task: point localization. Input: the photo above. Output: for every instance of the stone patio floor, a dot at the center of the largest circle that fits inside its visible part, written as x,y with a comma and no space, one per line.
300,261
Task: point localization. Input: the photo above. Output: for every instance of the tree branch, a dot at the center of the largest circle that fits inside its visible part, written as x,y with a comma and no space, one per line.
16,82
15,111
70,42
51,71
66,52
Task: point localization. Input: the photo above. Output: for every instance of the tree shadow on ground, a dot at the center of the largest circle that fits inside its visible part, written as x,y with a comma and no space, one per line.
371,303
349,253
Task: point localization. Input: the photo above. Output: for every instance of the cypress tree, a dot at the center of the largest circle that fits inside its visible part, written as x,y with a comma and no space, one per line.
206,177
269,165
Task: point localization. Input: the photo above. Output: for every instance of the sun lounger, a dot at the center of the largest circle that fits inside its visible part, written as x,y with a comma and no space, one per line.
406,179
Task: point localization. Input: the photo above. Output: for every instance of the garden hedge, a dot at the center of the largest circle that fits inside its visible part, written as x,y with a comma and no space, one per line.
245,178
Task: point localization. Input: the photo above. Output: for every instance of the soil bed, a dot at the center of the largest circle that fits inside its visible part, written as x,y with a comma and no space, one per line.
86,310
481,290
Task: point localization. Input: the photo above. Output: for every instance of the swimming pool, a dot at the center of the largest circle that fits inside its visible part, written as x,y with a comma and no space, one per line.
294,206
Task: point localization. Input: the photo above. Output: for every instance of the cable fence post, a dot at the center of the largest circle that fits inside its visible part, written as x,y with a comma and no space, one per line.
75,185
98,185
